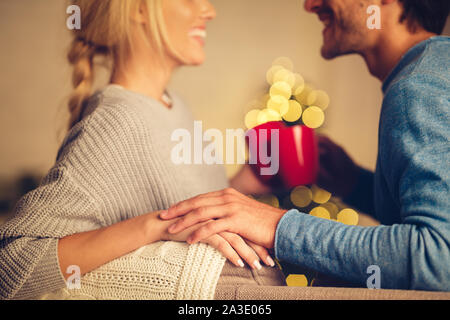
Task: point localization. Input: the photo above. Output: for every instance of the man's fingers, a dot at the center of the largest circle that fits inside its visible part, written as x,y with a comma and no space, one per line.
243,249
225,248
189,205
211,228
199,215
208,199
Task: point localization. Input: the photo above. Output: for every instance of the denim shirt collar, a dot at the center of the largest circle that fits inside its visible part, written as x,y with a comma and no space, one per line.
407,58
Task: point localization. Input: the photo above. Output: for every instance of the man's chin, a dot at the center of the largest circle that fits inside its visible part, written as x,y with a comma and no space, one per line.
328,53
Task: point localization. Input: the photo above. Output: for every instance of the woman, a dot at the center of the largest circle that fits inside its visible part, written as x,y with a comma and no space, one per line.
113,175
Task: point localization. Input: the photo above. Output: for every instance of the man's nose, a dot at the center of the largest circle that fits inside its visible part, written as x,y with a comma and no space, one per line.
312,5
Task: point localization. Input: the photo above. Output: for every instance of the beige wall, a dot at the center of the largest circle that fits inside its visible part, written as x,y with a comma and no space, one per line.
244,39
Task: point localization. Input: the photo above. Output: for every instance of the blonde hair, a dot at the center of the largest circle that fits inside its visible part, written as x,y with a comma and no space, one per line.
106,31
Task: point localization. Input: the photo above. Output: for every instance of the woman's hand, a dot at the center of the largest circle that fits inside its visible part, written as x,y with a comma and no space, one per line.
234,212
232,246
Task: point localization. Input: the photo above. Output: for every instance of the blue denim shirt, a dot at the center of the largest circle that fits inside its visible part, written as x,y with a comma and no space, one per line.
409,192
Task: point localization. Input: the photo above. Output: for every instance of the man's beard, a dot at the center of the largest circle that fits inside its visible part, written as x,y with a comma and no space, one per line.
345,38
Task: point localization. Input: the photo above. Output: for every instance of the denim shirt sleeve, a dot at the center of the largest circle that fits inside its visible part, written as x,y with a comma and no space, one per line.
362,195
342,251
413,253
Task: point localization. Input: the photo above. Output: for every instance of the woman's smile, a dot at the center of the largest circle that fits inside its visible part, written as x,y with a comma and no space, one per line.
199,34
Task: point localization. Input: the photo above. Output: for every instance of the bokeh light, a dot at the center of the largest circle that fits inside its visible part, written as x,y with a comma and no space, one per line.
271,72
348,216
269,199
301,196
279,104
284,76
290,97
299,84
320,195
297,280
320,212
318,98
294,111
313,117
281,88
285,62
302,96
332,209
251,118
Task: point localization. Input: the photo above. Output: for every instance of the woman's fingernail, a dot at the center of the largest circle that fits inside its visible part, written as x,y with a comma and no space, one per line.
240,263
257,265
164,214
270,261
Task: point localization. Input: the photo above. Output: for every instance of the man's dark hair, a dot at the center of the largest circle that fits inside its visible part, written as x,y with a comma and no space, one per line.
431,15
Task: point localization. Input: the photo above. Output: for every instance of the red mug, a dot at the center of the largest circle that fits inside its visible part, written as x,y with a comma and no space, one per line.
297,154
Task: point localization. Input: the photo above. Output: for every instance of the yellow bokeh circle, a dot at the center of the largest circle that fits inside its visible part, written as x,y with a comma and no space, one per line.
267,115
297,280
318,98
320,195
294,111
332,208
278,103
285,62
302,95
251,118
285,76
299,84
348,216
269,199
271,72
313,117
301,196
281,88
320,212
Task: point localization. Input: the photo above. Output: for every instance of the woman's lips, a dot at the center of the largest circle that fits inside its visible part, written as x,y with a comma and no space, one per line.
198,34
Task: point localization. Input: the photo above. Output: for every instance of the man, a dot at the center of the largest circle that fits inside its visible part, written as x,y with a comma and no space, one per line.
409,192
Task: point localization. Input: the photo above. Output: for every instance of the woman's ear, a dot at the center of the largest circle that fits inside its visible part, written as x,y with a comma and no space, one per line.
141,14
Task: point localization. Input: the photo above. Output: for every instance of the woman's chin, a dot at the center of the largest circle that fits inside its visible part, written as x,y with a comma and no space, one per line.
196,61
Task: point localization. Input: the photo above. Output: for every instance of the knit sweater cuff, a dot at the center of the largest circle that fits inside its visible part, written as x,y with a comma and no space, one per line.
46,276
201,273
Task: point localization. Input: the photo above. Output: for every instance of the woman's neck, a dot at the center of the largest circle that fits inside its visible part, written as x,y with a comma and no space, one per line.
147,76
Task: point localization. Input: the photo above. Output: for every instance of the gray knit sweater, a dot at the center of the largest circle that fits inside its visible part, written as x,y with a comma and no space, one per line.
113,165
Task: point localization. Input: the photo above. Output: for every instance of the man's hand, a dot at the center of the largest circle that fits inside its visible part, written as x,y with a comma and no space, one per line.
338,173
234,212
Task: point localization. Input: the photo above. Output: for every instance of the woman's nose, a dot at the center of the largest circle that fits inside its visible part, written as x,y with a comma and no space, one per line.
208,10
312,5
